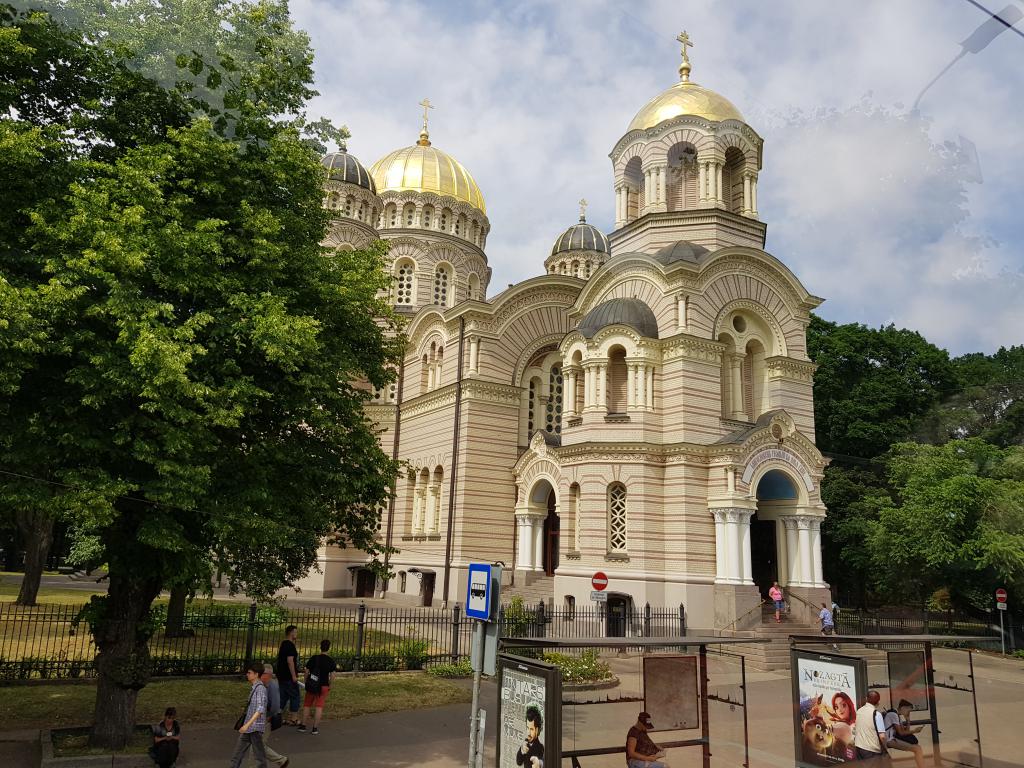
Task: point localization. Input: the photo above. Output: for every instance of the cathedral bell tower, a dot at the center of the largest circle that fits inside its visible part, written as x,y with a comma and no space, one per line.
686,169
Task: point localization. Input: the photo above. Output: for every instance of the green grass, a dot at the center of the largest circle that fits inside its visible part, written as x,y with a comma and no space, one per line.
219,701
77,745
50,595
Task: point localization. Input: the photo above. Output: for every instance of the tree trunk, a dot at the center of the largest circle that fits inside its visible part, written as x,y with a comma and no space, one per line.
37,530
176,614
123,661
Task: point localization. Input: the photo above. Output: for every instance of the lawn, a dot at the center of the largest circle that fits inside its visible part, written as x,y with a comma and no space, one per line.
49,595
219,701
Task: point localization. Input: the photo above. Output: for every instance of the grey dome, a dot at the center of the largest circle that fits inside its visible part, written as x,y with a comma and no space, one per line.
631,312
581,237
683,250
341,166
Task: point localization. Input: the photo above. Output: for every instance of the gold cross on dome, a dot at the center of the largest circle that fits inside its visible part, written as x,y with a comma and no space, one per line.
684,68
426,105
583,209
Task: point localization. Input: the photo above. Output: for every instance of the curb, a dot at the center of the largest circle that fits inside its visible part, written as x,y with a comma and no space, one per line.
87,761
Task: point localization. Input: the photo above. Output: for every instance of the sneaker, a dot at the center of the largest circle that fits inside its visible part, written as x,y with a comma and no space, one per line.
302,728
315,731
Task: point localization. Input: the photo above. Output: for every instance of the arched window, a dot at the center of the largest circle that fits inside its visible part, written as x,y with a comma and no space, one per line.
405,273
434,521
441,279
570,608
349,202
732,180
362,212
391,212
531,412
553,415
445,216
617,380
682,177
428,216
574,517
402,581
753,379
424,375
589,268
617,518
634,178
409,214
474,286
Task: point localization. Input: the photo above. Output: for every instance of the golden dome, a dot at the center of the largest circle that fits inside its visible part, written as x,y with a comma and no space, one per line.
424,168
683,98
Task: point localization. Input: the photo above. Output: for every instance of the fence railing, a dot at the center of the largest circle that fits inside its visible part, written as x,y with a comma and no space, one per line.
908,621
48,641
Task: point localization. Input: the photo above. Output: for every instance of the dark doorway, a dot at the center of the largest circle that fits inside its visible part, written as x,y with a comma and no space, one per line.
763,554
618,615
365,582
428,589
551,537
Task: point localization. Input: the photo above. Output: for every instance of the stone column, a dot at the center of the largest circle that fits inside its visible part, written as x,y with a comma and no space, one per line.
649,381
746,194
702,182
738,408
721,560
538,543
806,563
631,386
602,387
588,387
712,174
753,196
681,301
524,548
569,403
734,545
746,567
418,509
474,355
620,206
792,552
819,577
718,183
432,507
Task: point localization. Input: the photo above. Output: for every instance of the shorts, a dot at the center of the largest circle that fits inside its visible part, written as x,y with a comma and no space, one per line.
828,629
780,605
316,699
290,696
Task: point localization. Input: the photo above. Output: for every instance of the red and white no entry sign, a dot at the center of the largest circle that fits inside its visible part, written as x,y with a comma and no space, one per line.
1000,595
599,581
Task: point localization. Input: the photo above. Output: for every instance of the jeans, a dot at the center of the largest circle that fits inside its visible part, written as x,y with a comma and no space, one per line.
164,754
645,764
246,740
290,695
273,757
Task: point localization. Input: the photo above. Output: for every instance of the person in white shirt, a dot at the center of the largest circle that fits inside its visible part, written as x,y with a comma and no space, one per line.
900,735
869,732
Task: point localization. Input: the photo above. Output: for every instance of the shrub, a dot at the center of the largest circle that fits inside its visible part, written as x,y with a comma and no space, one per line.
413,653
378,661
459,669
585,668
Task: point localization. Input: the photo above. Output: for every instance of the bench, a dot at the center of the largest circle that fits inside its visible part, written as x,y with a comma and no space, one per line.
576,754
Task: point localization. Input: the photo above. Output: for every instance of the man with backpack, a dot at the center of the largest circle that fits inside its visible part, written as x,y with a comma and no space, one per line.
900,735
318,682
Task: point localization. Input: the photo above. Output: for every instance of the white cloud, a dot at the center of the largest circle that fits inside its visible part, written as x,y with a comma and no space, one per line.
867,205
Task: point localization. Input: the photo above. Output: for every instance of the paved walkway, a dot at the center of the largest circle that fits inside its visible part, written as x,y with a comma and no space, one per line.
437,737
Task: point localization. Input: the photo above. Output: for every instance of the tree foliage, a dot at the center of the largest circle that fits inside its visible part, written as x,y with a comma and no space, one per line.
179,350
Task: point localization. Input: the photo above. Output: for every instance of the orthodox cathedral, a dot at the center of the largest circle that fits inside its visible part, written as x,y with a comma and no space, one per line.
643,408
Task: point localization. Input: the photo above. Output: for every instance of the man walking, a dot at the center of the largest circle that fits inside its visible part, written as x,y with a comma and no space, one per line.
828,626
869,732
273,710
318,684
254,722
288,674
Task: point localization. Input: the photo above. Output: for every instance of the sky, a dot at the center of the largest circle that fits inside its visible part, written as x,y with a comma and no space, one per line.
893,215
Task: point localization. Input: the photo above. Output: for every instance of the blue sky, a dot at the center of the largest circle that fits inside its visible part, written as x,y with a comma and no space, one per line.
883,212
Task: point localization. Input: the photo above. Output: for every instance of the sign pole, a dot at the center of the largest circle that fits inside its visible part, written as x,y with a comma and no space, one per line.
1002,635
478,664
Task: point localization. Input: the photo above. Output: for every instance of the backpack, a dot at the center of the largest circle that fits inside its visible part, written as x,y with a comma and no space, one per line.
313,682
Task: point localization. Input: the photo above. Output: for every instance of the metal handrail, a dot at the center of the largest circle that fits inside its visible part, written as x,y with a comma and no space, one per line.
757,607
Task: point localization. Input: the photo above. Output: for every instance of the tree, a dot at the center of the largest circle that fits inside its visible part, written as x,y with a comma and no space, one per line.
195,344
955,521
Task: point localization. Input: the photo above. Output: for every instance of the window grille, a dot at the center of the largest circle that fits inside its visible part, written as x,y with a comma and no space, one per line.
441,287
553,420
617,518
403,289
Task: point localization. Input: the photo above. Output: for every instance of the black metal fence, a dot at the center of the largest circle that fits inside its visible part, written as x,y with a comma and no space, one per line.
909,621
49,642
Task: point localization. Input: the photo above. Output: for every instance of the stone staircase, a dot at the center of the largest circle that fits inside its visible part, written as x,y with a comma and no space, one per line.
532,587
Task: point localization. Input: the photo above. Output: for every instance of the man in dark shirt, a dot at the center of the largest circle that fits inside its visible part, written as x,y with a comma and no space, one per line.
288,675
641,752
531,754
318,683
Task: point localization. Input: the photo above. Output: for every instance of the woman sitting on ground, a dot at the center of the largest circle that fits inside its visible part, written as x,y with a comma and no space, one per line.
166,740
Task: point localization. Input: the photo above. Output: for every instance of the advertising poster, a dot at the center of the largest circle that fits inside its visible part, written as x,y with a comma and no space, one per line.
529,714
826,689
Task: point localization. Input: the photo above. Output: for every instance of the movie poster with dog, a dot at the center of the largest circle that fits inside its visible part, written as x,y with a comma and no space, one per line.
529,711
826,689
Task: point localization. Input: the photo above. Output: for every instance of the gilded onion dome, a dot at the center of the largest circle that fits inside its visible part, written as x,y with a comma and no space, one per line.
343,167
425,168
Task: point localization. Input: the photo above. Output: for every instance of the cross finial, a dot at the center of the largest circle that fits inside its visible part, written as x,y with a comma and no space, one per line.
424,135
684,68
583,209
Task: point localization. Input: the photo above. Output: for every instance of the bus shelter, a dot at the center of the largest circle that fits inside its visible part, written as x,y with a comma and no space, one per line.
674,690
827,683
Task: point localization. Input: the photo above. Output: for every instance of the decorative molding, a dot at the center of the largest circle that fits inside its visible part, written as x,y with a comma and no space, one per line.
790,368
491,392
438,398
758,309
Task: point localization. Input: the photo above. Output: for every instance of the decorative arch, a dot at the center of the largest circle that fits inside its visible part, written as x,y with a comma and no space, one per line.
727,313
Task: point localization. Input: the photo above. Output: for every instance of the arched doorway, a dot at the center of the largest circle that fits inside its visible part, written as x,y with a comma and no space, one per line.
552,535
776,495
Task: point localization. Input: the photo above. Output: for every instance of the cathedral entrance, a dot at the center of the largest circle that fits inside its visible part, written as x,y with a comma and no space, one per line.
551,536
764,558
777,498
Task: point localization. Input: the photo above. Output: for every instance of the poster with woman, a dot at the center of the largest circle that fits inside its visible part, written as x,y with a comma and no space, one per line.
529,701
826,689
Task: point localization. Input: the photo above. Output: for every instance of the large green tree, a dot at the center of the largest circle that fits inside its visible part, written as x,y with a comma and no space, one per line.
182,376
955,521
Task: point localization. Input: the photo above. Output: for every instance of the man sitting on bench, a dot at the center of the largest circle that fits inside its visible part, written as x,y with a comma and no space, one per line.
641,752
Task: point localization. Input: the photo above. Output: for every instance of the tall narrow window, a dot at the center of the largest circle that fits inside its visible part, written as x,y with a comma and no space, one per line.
393,217
409,214
617,518
428,214
532,409
403,283
553,417
441,279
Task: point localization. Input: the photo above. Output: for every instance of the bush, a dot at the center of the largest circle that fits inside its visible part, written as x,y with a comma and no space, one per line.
459,669
585,668
378,661
414,653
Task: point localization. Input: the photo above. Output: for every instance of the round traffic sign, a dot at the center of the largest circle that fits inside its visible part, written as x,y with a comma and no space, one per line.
599,581
1000,595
